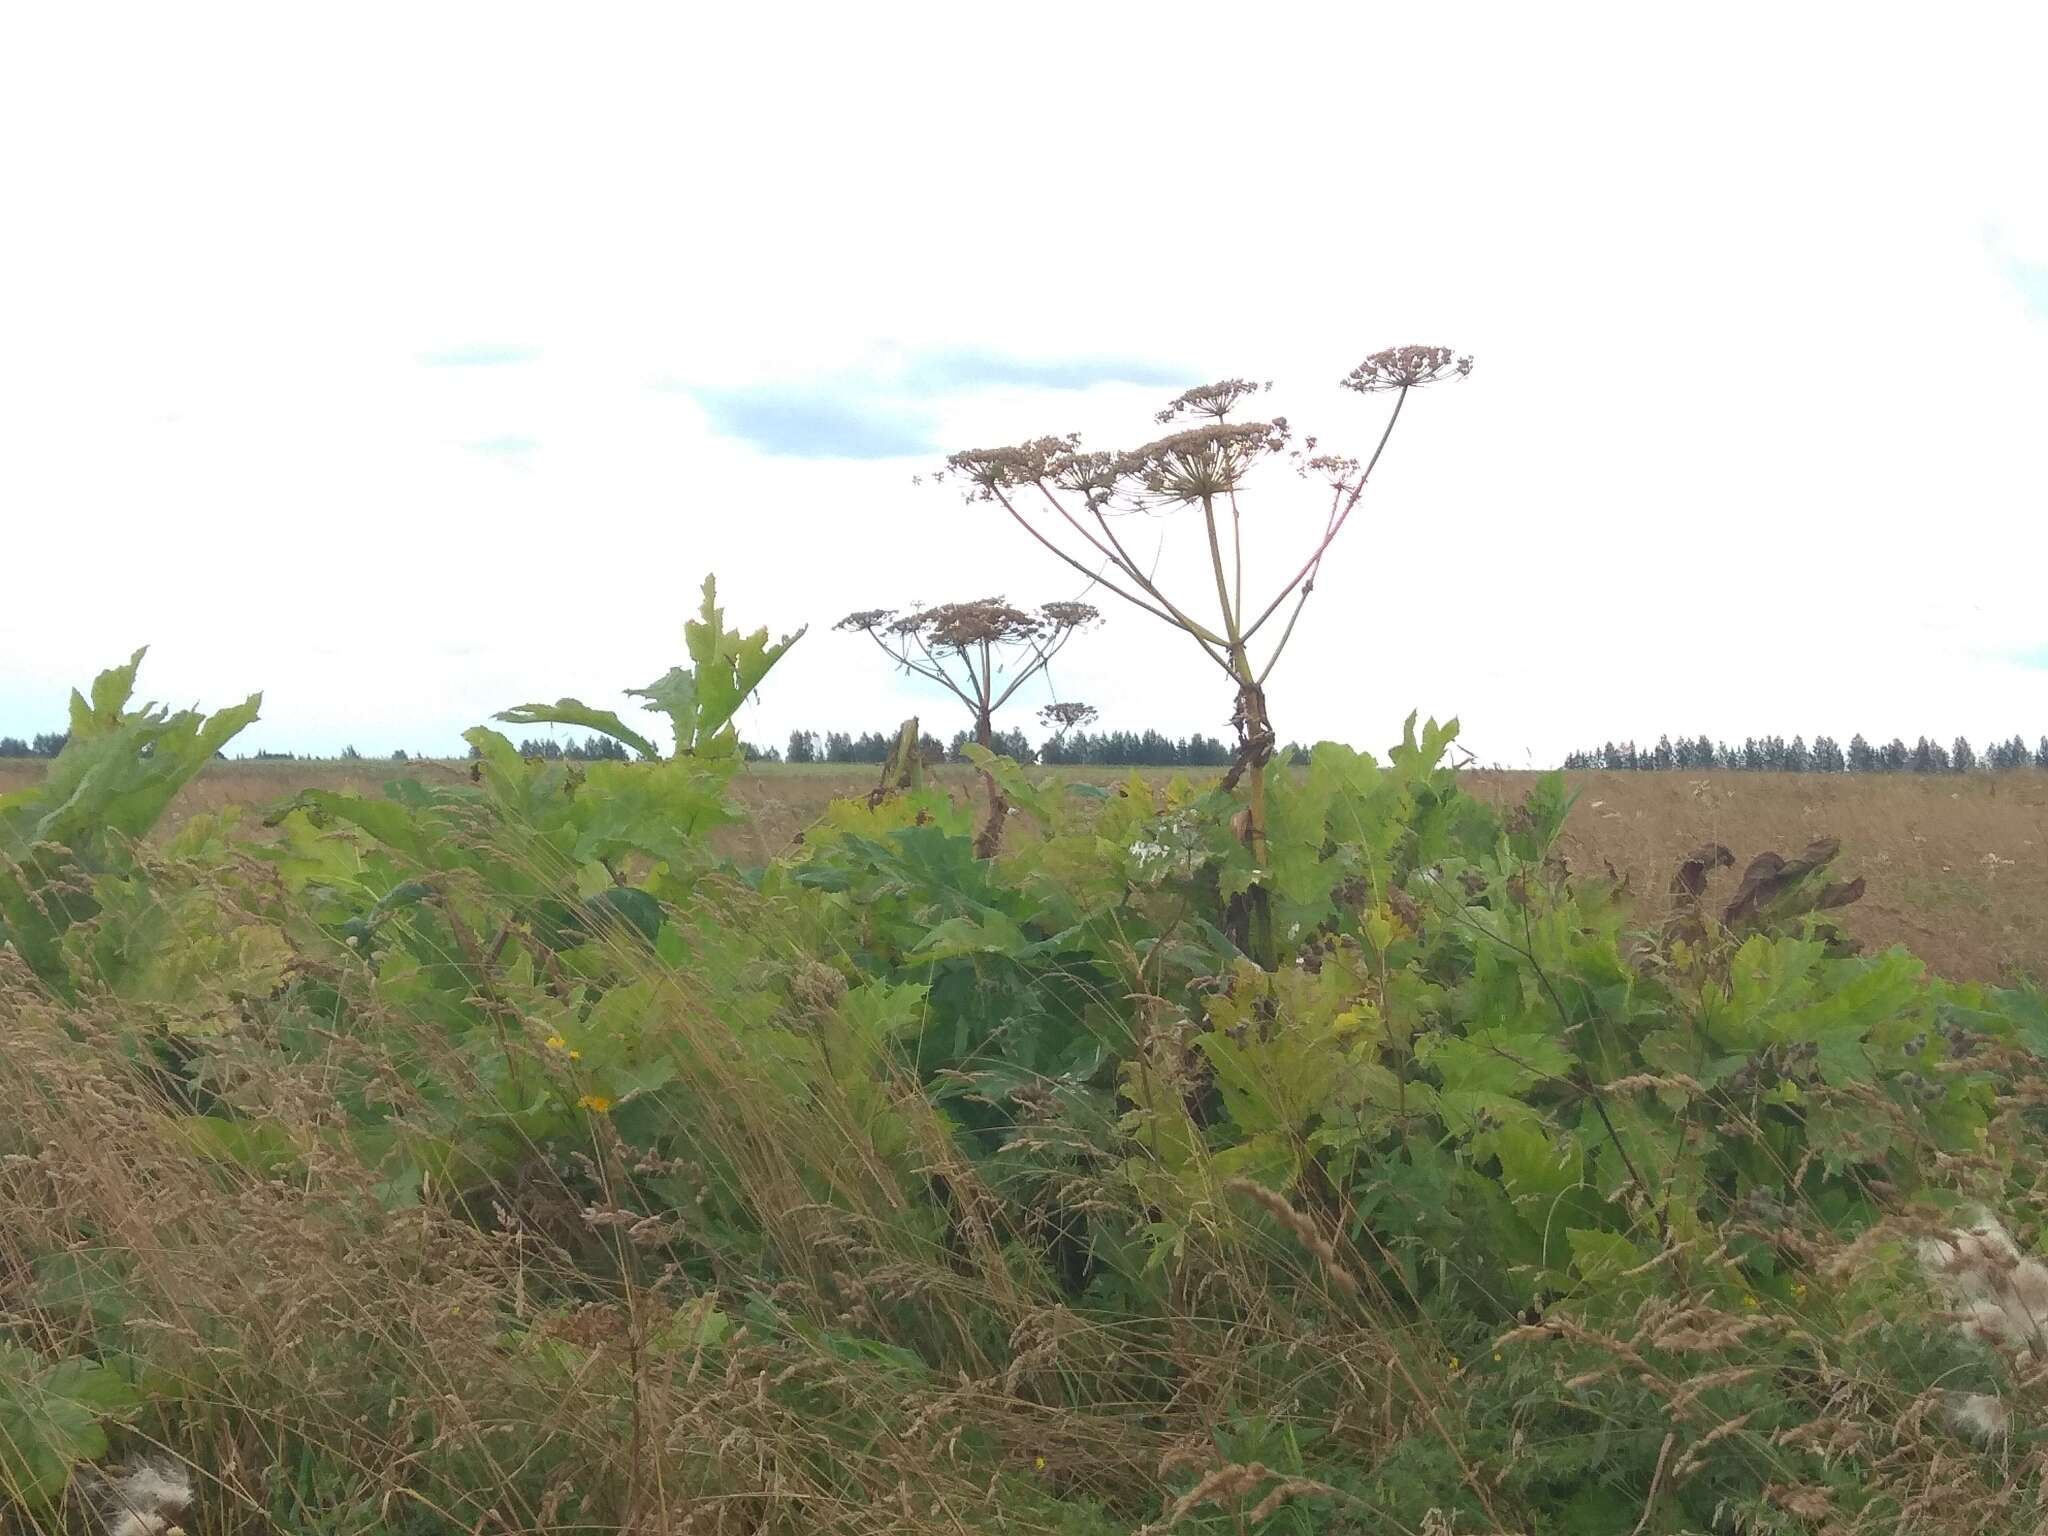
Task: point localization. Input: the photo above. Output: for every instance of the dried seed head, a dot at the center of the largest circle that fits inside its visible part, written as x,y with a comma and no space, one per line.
1406,368
1068,716
1091,475
868,619
1200,462
1211,400
989,621
1335,468
1070,615
994,469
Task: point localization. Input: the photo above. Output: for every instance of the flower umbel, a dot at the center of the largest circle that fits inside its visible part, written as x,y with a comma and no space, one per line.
1406,368
1202,462
993,469
865,619
1211,400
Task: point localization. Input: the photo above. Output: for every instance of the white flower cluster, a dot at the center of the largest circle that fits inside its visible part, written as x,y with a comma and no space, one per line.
2002,1296
145,1496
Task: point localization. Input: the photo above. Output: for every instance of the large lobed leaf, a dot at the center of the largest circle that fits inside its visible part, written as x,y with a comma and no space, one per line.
576,712
51,1419
700,702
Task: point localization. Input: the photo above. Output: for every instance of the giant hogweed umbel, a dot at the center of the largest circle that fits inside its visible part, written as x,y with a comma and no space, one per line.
981,652
1203,464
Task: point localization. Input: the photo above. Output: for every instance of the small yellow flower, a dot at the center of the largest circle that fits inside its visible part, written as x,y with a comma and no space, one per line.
1496,1357
557,1043
575,1055
1749,1301
1799,1290
597,1103
1038,1463
1457,1365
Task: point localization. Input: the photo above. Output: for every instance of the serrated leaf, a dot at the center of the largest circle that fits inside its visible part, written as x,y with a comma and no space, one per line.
111,691
1599,1255
576,712
93,1385
990,933
1033,799
50,1420
701,702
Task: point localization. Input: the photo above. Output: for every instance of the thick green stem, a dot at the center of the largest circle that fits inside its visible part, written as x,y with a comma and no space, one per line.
1255,748
991,836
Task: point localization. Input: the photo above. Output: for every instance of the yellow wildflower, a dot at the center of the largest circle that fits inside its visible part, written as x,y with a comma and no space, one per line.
556,1043
597,1103
1749,1301
1038,1463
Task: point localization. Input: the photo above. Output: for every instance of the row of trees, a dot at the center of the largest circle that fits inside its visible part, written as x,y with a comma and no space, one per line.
1099,749
1112,749
48,744
1774,754
1153,749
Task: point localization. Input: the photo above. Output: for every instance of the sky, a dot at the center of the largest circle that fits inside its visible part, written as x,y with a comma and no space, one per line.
406,363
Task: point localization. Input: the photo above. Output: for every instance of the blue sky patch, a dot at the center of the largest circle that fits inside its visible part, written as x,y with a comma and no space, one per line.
954,370
2031,279
881,413
786,423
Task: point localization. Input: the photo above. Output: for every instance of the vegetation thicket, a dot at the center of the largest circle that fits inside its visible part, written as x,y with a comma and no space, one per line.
1298,1152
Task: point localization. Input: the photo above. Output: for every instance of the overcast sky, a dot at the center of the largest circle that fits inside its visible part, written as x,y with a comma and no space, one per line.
407,362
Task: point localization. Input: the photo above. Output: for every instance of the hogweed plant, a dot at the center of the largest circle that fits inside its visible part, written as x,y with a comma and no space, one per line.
1206,462
981,652
1061,718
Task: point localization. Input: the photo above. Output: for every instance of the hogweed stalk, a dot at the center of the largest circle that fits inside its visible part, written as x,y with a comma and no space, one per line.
981,652
1204,465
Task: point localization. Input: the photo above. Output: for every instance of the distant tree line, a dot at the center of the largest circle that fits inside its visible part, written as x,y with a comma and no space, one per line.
1154,749
591,749
1774,754
48,744
1092,749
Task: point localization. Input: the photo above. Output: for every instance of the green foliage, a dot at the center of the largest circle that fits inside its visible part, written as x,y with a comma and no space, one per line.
118,770
700,701
53,1416
999,1185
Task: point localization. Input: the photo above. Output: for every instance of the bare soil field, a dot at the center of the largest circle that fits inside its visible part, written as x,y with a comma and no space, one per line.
1956,865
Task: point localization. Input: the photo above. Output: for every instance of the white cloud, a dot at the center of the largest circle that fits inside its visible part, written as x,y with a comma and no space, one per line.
1752,444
